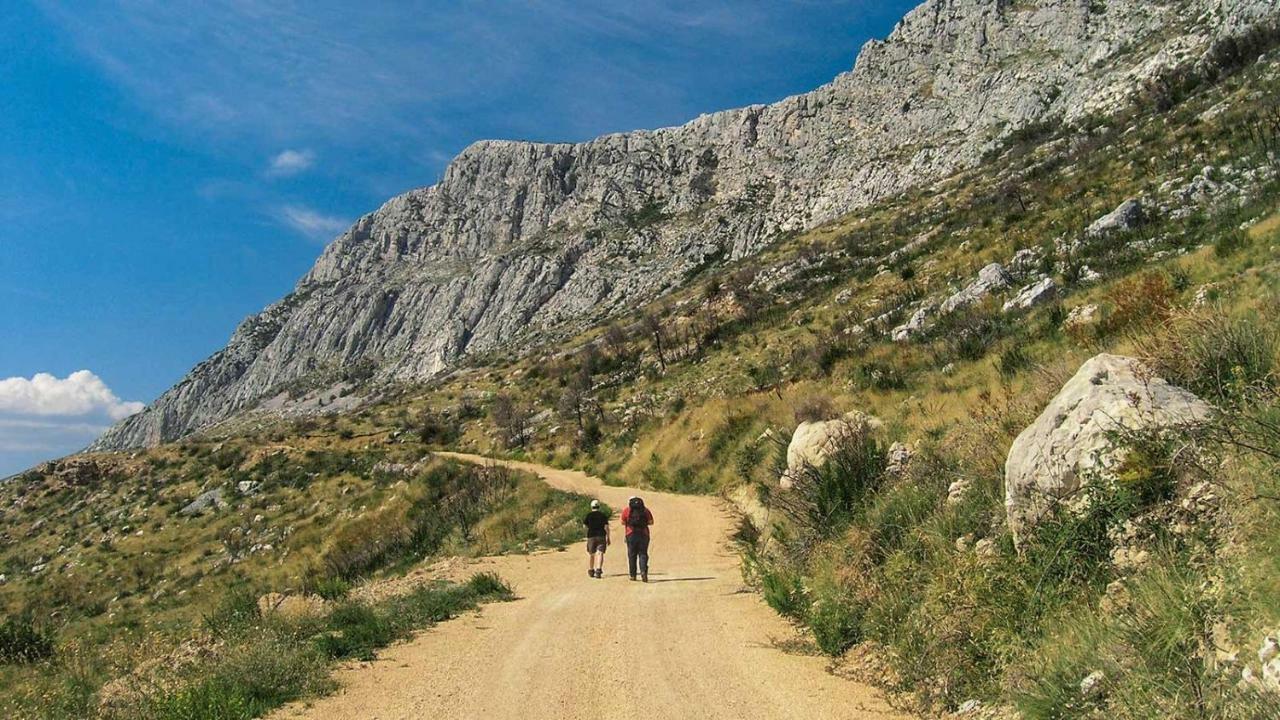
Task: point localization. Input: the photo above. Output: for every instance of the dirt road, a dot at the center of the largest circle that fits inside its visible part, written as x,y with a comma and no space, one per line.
687,645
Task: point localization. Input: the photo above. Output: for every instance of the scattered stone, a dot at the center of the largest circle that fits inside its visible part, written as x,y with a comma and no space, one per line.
1037,293
957,490
844,296
1072,442
990,279
1129,215
1081,317
211,500
3,579
898,458
1088,275
247,487
969,706
38,568
1025,261
986,548
1092,685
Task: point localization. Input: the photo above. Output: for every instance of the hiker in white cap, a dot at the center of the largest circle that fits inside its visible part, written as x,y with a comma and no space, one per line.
597,539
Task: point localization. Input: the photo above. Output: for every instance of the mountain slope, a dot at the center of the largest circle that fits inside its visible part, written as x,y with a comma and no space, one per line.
523,241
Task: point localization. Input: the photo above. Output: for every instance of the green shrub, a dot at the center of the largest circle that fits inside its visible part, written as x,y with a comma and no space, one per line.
355,630
1218,357
209,700
824,499
22,641
1230,243
1013,360
880,376
784,592
271,671
836,621
235,612
490,585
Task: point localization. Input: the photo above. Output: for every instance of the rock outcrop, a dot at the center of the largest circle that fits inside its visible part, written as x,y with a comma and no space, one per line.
1075,439
521,242
813,442
1127,216
1037,293
990,279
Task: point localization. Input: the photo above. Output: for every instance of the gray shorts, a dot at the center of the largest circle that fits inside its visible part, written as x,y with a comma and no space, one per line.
596,545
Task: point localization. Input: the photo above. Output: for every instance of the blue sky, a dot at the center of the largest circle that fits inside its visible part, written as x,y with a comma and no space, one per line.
169,167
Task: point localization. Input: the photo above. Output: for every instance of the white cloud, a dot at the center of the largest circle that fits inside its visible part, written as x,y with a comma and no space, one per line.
311,223
80,394
291,162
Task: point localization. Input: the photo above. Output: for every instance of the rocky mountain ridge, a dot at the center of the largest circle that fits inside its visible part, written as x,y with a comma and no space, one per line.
523,241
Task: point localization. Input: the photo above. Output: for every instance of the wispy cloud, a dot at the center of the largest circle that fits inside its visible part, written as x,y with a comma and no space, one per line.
80,394
44,415
414,76
311,223
291,162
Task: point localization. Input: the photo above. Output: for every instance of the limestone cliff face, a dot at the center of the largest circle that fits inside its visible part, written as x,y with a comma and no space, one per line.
520,241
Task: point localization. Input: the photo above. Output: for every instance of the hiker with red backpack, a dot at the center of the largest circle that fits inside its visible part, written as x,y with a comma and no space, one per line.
636,518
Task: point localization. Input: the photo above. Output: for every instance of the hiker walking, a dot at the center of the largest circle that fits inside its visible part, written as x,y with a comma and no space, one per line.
597,539
636,518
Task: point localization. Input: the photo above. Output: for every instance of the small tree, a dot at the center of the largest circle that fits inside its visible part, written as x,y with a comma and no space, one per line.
511,416
653,327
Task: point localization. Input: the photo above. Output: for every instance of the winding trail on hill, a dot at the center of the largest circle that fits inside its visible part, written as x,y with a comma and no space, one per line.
690,644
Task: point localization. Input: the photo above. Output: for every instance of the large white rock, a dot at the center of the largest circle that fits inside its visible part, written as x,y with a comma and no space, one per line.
1073,440
914,325
1127,216
813,442
1032,295
990,279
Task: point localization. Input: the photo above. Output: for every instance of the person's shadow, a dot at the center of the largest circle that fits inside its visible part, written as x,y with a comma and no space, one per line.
667,579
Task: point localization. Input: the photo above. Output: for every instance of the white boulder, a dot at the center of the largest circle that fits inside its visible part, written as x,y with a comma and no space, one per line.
1037,293
1081,317
1073,440
914,325
813,442
990,279
1127,216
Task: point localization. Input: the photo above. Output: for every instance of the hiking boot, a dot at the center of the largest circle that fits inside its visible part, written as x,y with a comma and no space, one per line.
633,578
644,577
591,573
599,573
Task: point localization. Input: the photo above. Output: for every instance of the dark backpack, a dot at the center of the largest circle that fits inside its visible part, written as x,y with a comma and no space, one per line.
638,517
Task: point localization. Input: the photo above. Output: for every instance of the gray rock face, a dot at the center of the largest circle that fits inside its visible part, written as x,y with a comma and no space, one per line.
1127,216
211,500
520,242
1073,441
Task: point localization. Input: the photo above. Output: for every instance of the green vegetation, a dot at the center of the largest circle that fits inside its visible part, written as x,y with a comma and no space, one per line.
309,517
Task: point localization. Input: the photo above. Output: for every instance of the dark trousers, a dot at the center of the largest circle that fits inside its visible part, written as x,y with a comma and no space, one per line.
638,549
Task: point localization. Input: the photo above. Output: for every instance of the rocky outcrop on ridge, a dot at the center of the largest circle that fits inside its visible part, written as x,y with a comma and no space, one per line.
523,241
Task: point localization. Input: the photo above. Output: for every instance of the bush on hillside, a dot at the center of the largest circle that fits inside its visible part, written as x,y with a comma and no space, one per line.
22,641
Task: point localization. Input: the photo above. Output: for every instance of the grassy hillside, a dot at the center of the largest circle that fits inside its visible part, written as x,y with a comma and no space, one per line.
106,569
103,572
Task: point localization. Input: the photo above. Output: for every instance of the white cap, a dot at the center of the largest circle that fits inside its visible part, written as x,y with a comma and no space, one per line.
595,504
